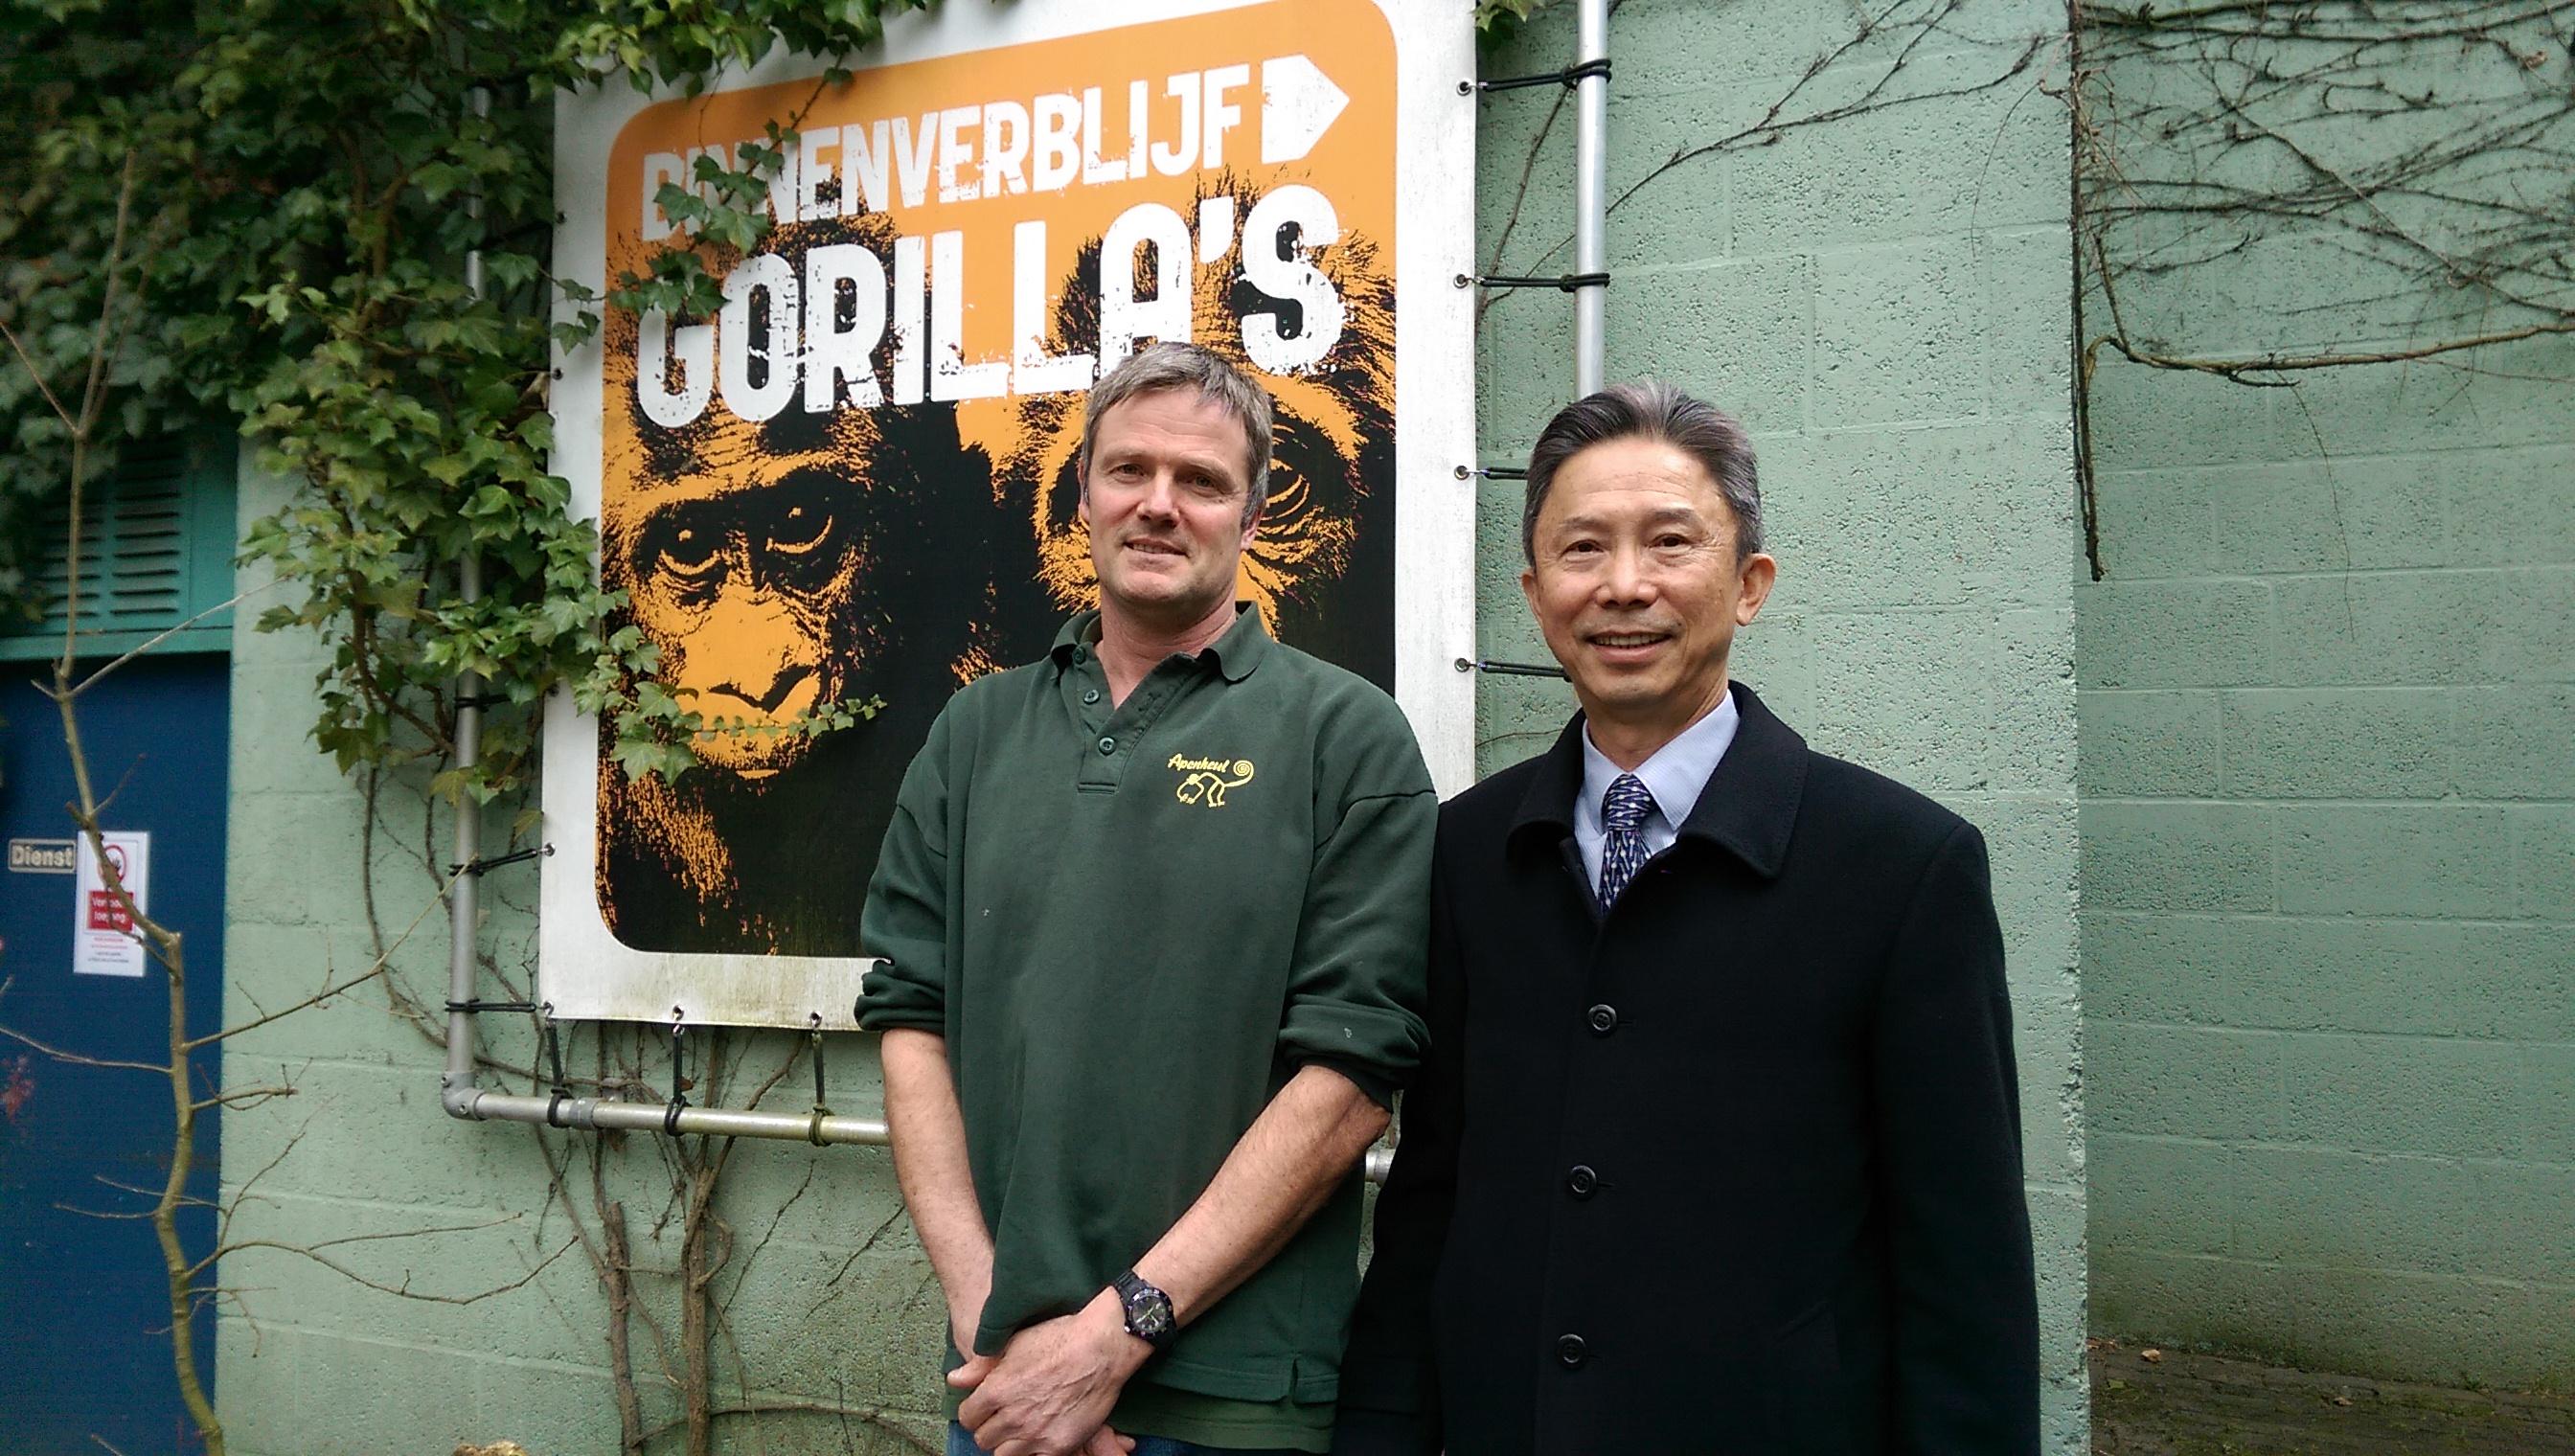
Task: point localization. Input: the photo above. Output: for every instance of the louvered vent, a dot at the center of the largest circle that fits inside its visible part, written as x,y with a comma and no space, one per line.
155,549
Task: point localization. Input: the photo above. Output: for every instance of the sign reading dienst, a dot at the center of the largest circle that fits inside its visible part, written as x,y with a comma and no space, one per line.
854,482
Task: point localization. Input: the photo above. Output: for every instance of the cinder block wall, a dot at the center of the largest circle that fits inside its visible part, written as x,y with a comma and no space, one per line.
1884,299
2328,776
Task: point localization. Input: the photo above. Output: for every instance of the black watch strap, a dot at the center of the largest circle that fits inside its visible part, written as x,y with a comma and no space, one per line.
1148,1310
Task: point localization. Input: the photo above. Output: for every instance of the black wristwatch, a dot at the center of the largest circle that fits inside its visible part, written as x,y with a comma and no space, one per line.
1149,1310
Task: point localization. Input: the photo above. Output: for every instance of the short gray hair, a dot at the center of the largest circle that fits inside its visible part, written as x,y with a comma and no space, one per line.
1651,410
1173,365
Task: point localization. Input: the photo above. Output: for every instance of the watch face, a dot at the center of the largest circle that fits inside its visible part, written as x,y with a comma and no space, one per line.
1149,1314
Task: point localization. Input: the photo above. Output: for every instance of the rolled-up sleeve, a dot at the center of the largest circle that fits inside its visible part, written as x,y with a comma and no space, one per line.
1359,983
905,921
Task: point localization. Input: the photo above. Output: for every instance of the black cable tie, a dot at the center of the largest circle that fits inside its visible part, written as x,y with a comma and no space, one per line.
478,867
470,1007
554,1056
1509,670
679,1075
1493,471
1569,283
1567,77
482,699
814,1131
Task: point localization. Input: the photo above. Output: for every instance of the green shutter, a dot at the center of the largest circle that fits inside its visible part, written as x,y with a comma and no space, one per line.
156,550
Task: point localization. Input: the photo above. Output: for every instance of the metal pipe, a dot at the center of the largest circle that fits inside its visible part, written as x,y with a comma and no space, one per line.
1591,195
618,1115
464,896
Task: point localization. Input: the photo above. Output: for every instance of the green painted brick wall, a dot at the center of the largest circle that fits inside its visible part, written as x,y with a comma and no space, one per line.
2327,732
1882,298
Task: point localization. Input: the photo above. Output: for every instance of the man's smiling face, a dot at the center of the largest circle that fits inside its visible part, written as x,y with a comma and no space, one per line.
1165,496
1636,584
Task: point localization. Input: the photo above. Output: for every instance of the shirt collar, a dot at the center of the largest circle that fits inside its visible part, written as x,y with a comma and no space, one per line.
1750,808
1676,773
1234,655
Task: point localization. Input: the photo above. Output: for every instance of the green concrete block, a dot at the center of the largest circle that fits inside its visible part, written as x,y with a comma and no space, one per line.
2148,419
2031,845
2177,856
2325,515
1662,324
1906,694
2341,973
866,1330
1517,717
2548,1097
2170,1195
2439,1097
2510,507
1775,656
2152,523
1951,168
2464,626
2182,1081
2543,860
2056,1231
2522,1211
1897,333
1964,513
2515,741
2159,1298
2173,635
549,1409
2148,743
2371,1321
2319,1206
2338,744
2443,860
2029,324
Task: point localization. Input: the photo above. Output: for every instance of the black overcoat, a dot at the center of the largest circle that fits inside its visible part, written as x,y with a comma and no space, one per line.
1734,1167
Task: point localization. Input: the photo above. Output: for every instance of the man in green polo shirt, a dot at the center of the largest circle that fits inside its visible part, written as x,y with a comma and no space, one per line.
1152,914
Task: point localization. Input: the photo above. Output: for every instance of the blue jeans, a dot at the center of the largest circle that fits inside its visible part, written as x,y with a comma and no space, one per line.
962,1443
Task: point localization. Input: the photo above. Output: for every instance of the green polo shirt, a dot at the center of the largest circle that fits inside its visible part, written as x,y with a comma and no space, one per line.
1133,926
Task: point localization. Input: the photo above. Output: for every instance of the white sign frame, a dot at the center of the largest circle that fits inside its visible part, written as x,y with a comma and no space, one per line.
586,972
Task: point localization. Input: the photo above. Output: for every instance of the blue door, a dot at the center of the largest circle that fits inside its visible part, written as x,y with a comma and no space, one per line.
84,1302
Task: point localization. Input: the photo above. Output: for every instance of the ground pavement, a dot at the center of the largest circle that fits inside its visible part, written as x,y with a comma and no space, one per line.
2154,1402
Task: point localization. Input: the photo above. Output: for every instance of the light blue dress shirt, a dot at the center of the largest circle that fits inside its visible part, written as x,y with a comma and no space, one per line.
1675,776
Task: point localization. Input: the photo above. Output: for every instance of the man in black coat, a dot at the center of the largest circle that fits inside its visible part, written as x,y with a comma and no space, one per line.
1717,1149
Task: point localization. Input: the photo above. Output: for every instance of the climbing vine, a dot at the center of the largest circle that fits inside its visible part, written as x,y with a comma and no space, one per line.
2407,159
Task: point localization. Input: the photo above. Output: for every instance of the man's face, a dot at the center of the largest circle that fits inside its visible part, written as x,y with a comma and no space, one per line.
1636,585
1163,497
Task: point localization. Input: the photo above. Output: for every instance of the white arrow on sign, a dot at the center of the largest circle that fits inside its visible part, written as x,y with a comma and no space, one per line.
1298,103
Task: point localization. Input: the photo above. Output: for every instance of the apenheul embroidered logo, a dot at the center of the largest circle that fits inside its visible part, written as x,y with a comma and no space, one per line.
1206,781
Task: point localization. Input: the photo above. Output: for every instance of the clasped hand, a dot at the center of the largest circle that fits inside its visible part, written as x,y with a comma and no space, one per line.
1050,1391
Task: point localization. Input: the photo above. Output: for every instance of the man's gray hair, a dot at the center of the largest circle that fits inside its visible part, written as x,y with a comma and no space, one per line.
1651,410
1170,366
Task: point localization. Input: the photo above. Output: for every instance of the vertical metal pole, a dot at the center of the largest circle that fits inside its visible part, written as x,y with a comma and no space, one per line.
464,898
1591,196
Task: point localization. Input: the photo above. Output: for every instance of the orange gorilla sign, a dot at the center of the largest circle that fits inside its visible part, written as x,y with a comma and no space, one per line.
853,485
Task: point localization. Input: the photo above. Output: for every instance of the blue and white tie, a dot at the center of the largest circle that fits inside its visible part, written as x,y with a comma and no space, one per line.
1622,848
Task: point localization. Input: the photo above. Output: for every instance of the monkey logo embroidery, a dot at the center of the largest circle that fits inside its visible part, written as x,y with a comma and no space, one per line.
1208,779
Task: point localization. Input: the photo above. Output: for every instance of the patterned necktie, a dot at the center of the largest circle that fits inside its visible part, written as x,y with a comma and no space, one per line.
1623,850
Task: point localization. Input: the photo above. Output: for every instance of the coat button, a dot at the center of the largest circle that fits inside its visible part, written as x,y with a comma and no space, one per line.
1108,746
1583,1181
1090,694
1570,1351
1604,1018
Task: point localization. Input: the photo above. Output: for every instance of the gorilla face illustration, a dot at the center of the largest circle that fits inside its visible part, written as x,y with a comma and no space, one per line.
1321,567
852,557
